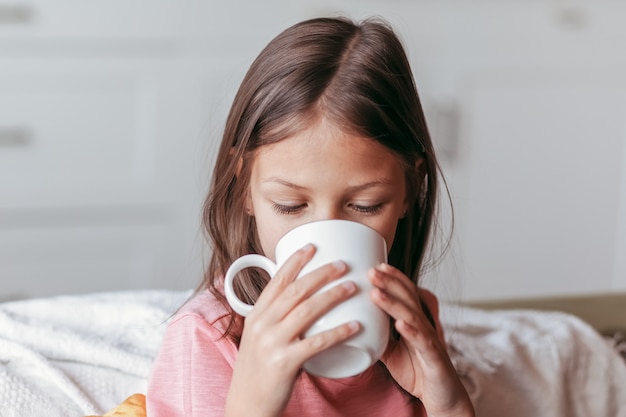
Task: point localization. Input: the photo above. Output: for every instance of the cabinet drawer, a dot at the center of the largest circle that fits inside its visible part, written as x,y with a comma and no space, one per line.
43,262
75,134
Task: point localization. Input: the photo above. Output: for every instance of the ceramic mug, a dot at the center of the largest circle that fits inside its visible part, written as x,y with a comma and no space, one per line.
361,248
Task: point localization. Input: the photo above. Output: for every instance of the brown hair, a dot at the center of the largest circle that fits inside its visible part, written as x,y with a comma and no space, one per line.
357,76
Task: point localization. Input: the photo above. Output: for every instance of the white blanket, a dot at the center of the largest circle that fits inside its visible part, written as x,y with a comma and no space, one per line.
529,363
80,355
75,356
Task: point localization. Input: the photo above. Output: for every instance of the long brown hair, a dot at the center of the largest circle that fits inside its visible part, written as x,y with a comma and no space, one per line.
356,75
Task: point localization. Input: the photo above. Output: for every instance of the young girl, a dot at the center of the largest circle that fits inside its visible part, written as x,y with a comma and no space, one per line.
327,124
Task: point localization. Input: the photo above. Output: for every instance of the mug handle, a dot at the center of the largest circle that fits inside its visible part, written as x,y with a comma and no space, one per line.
246,261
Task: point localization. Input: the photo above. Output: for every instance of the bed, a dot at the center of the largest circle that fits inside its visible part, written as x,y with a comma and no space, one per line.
82,355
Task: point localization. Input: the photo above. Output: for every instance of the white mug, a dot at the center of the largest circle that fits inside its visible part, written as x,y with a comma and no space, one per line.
360,248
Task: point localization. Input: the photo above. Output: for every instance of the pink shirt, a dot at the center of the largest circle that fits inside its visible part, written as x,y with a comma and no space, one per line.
192,373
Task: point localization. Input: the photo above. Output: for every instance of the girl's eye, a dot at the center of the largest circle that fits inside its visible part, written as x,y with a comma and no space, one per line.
286,209
367,209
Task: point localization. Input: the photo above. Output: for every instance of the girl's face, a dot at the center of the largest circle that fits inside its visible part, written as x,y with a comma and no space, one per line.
322,173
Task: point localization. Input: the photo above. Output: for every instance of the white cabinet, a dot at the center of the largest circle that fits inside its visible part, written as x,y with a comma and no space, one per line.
538,177
110,113
99,123
102,136
540,205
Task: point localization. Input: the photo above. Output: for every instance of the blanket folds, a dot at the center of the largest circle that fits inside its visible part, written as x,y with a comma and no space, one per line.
518,363
79,355
82,355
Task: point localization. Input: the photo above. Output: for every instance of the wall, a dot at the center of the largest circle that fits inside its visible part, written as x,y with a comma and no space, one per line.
110,113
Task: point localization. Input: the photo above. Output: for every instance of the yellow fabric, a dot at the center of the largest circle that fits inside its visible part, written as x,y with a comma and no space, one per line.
133,406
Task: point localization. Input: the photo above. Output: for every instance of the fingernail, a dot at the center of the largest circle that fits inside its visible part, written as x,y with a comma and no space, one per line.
349,285
339,265
354,326
307,247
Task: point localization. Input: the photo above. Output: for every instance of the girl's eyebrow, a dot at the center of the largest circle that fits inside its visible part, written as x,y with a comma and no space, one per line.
371,184
352,189
284,182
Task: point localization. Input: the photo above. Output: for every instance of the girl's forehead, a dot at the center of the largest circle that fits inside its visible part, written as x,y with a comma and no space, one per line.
321,143
319,136
322,153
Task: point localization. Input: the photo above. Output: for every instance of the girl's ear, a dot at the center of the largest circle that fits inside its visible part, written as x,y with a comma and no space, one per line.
247,199
248,207
239,166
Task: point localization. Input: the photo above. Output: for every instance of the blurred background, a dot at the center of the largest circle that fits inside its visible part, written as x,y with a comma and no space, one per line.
110,113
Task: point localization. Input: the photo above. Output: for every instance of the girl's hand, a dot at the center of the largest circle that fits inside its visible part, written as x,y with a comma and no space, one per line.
271,351
418,361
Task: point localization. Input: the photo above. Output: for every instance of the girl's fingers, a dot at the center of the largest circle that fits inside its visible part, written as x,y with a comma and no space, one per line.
306,313
423,340
418,361
299,308
299,305
293,292
311,346
399,297
395,293
393,281
413,317
284,276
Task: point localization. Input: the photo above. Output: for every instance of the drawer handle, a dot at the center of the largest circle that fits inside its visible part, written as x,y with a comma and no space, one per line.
16,14
12,137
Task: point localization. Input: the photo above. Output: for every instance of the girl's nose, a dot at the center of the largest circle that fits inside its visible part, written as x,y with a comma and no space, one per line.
331,213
